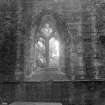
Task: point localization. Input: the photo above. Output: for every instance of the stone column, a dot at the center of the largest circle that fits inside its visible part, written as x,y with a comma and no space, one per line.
76,50
87,39
80,51
19,40
69,53
95,61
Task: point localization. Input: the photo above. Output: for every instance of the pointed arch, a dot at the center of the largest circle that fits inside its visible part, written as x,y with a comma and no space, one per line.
49,44
58,19
47,31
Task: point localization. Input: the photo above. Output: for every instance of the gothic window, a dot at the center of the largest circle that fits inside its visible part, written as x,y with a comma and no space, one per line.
47,46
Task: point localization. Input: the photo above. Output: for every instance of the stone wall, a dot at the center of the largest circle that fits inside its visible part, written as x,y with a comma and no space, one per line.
83,22
8,28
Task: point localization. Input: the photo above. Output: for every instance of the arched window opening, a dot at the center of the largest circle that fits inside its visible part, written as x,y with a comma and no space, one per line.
47,47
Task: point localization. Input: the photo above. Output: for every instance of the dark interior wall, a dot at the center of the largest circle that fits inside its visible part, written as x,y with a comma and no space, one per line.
101,38
74,92
11,39
8,27
16,23
87,39
7,92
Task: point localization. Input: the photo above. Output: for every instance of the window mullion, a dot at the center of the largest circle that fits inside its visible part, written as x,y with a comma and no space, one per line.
47,52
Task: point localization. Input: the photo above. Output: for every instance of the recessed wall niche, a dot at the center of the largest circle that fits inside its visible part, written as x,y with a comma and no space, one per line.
46,58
